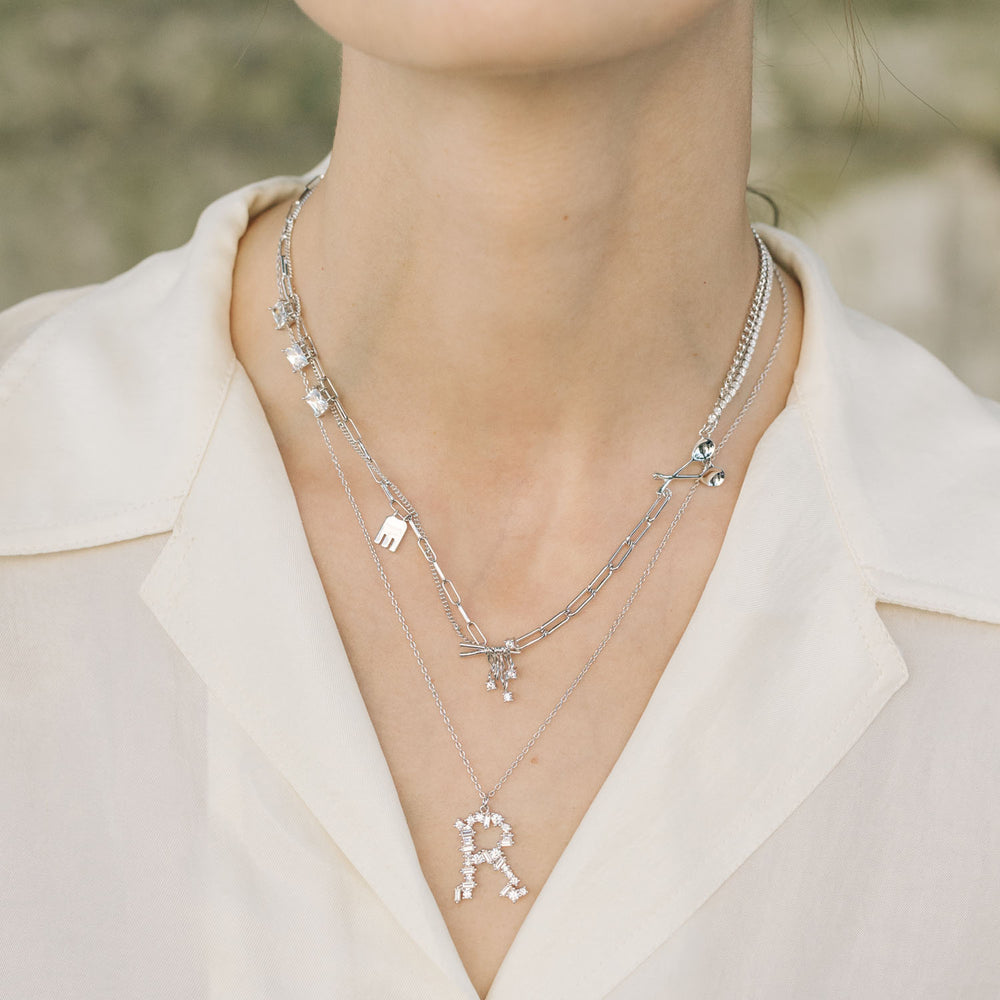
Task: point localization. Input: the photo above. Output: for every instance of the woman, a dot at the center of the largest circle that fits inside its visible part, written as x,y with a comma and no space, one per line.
514,295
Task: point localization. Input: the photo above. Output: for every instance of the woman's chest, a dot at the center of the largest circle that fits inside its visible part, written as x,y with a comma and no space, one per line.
450,739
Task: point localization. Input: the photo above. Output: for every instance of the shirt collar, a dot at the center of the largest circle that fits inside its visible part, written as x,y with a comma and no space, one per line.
910,456
130,416
109,405
756,706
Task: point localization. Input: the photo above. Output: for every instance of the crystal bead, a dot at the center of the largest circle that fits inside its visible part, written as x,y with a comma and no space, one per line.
298,355
508,696
512,893
318,400
283,312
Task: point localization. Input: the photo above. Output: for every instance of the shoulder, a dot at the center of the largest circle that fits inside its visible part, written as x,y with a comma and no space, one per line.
910,455
108,393
20,321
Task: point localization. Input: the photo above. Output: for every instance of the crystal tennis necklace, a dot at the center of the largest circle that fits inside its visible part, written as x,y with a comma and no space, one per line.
322,397
471,856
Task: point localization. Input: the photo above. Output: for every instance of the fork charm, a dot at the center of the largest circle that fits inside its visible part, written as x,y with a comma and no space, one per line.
501,661
391,533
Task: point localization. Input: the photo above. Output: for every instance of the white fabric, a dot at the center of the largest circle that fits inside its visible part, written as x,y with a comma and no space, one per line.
194,803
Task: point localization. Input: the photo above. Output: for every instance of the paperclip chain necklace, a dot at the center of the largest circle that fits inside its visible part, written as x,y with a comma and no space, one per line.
323,397
471,856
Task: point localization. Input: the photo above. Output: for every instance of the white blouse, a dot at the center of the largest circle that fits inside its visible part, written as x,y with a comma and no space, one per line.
193,802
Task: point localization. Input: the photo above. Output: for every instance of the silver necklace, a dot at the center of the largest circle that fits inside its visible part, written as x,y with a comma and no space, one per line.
471,856
322,397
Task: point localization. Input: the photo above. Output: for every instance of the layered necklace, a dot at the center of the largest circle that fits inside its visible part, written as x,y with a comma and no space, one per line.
698,471
501,657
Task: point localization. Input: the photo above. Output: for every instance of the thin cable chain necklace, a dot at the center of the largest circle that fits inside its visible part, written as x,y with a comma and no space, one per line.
471,856
323,396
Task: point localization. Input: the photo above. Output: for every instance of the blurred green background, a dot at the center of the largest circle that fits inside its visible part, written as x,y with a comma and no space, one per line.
119,122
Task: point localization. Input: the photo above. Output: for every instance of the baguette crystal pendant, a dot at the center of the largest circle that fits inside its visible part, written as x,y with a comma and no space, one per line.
473,856
298,355
284,314
318,399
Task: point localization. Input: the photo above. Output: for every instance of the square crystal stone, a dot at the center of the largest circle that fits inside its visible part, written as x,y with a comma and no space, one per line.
298,355
283,312
318,400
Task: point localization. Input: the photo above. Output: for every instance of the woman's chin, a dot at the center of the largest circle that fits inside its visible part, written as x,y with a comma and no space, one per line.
514,37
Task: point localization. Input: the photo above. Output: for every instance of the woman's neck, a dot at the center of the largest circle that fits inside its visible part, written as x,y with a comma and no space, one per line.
536,261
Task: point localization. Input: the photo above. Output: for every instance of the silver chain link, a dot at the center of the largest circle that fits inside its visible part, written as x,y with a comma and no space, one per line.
619,618
471,636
